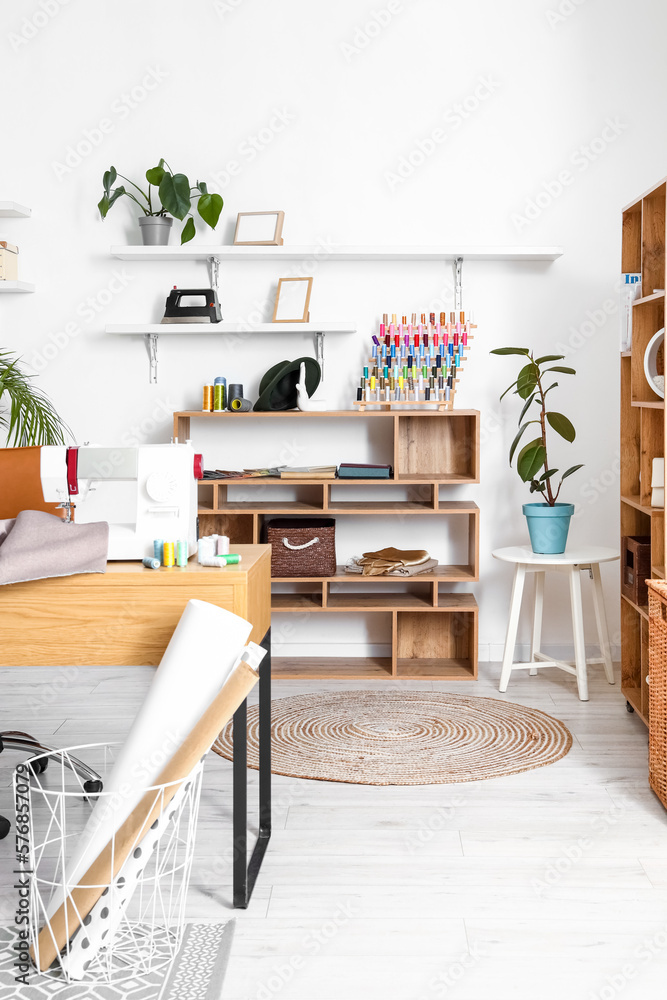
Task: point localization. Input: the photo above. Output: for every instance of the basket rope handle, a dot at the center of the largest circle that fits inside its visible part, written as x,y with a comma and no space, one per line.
288,544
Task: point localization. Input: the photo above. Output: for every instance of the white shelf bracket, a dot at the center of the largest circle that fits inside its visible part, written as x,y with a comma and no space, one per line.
458,284
319,351
214,274
151,347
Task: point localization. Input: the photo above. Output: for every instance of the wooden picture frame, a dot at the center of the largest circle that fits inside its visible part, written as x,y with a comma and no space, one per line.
292,300
259,229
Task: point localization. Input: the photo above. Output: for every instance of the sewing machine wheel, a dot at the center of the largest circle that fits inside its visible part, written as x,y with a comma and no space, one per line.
161,486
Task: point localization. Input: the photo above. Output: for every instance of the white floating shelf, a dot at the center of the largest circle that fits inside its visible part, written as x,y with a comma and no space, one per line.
324,253
227,326
152,331
12,210
12,287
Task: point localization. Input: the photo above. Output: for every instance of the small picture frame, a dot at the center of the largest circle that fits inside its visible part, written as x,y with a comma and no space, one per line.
292,300
259,229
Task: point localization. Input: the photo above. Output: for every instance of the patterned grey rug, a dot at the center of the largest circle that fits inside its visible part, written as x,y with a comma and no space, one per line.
198,972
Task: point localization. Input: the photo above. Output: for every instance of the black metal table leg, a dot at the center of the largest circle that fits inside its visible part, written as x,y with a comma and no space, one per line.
245,873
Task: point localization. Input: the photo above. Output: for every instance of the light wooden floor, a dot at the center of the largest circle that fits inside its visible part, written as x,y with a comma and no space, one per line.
547,884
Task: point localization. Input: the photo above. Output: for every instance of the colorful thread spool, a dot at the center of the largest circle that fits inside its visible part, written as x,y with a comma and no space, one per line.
219,401
168,554
181,553
158,545
151,563
235,392
207,398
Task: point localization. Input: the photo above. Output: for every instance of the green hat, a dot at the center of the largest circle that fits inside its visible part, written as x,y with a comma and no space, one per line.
277,389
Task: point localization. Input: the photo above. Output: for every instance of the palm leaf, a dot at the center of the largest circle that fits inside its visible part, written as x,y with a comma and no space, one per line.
26,413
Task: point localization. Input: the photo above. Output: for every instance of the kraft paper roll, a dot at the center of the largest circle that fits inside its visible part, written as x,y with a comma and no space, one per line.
56,933
201,653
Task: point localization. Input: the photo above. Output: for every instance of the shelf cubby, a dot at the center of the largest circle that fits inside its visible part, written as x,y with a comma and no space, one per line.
631,251
652,446
647,319
442,645
432,450
631,620
364,668
653,240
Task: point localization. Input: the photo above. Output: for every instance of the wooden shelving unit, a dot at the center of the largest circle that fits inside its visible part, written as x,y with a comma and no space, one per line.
433,631
642,426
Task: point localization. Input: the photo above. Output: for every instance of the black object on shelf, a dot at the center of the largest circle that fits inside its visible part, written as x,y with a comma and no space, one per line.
206,311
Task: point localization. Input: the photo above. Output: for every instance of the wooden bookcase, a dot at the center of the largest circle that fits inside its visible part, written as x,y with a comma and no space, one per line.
642,427
433,632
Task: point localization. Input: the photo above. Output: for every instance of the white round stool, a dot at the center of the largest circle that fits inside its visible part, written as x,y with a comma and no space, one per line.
570,562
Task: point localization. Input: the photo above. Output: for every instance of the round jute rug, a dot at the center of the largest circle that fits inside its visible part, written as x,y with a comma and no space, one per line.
403,738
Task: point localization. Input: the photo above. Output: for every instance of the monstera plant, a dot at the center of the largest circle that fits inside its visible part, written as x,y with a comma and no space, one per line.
167,194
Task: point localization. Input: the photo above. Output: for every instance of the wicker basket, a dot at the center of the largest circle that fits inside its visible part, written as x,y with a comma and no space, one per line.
302,546
657,667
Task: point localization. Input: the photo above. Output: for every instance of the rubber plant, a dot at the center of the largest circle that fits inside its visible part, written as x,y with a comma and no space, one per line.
27,415
529,386
173,196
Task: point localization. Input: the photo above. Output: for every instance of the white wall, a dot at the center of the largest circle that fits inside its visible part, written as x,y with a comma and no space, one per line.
339,103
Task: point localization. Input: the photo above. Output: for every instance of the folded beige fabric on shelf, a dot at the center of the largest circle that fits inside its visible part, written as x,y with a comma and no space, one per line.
383,561
355,566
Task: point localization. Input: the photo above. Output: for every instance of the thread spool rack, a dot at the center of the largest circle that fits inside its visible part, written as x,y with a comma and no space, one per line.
440,405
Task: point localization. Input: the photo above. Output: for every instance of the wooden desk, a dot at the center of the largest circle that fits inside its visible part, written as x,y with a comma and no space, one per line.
125,617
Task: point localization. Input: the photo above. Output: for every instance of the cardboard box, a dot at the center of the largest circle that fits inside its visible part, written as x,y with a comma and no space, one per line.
9,261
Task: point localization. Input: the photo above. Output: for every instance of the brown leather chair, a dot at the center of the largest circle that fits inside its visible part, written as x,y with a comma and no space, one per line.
21,489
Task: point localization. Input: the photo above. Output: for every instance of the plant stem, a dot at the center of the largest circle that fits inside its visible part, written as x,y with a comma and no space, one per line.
130,195
551,499
136,186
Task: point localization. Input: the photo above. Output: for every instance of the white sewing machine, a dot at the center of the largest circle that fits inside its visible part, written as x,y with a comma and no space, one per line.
144,493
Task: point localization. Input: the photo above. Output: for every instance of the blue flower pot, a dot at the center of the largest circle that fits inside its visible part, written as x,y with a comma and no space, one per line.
548,526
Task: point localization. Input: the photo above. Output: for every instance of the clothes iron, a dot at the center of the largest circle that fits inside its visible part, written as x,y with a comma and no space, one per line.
180,307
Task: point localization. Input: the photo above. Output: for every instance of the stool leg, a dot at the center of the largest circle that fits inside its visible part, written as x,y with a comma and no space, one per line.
537,619
601,619
512,625
578,630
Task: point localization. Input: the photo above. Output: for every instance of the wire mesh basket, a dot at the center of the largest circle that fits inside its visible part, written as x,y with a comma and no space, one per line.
135,927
